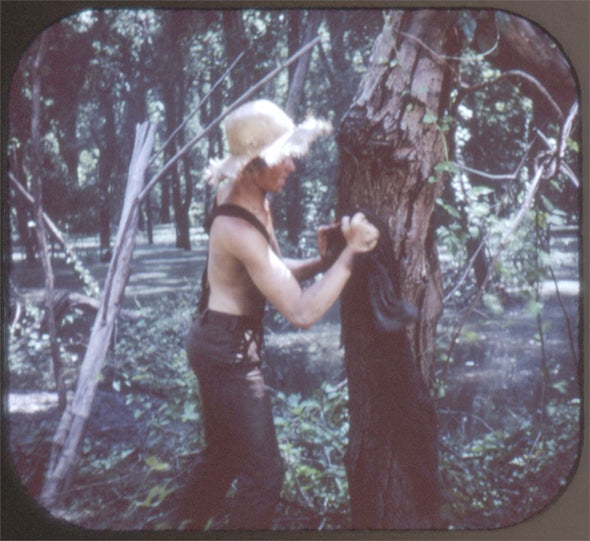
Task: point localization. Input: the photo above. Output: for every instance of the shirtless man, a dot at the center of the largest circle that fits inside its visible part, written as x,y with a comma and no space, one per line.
245,269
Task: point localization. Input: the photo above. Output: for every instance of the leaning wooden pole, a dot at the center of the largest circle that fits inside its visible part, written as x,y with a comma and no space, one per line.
69,435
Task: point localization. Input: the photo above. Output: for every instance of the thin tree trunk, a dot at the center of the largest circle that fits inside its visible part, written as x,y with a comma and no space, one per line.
149,220
22,212
235,42
40,225
68,437
107,168
294,100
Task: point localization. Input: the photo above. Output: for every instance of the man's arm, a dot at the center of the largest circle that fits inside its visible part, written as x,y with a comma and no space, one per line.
303,269
278,284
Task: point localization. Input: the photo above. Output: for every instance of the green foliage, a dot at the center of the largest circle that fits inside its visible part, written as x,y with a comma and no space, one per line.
505,476
29,356
127,477
313,434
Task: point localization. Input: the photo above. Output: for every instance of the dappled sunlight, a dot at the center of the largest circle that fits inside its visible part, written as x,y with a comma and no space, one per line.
31,402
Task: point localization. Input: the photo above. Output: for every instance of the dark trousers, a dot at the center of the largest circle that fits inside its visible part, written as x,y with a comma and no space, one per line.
239,430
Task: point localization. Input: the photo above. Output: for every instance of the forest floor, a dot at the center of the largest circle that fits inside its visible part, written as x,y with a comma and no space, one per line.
497,370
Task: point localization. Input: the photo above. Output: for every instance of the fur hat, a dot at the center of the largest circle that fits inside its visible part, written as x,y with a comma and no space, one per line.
262,129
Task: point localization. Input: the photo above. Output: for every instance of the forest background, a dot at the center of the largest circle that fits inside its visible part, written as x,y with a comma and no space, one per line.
171,61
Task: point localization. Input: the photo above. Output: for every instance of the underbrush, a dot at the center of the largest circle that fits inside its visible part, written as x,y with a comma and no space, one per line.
145,429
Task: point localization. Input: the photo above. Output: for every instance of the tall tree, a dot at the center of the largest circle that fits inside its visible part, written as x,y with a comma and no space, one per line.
393,159
236,41
297,78
175,28
388,150
40,222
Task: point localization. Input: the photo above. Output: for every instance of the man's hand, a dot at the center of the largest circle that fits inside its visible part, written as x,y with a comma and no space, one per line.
330,242
360,234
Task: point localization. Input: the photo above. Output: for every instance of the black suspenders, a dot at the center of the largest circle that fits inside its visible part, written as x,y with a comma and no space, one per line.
235,211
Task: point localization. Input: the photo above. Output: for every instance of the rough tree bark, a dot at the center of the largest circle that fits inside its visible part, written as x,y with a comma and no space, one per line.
389,145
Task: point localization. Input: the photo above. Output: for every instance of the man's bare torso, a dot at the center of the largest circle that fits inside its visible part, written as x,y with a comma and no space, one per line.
231,288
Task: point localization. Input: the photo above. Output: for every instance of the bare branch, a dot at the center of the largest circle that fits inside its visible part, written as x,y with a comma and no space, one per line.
465,272
40,223
493,177
464,58
520,74
539,172
559,149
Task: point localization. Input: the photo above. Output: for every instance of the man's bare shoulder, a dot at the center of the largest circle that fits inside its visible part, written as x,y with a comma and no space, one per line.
237,236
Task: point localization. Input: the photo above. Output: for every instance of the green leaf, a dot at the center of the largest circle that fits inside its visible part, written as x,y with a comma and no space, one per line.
534,308
478,191
473,232
492,303
469,337
447,167
190,412
549,206
560,386
429,118
573,144
451,210
156,496
154,463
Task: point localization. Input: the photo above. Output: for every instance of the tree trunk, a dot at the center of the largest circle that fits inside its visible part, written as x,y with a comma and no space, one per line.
148,219
235,41
22,226
295,96
69,434
389,144
165,201
106,171
40,225
182,204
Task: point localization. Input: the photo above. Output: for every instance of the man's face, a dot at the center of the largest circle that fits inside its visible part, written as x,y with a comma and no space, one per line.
273,178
